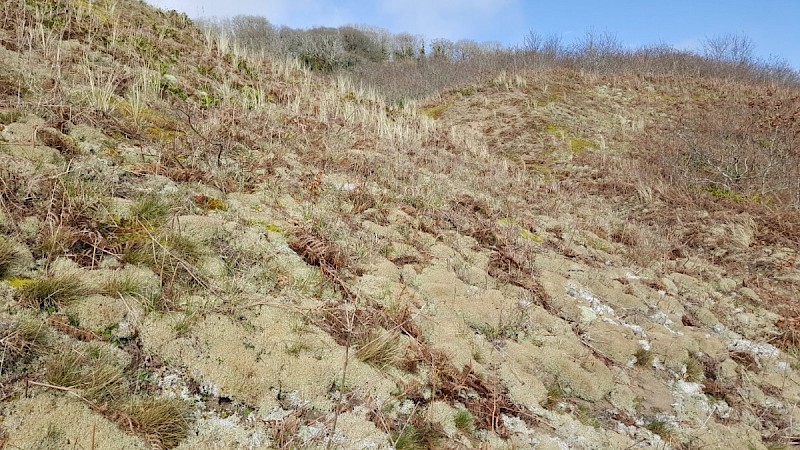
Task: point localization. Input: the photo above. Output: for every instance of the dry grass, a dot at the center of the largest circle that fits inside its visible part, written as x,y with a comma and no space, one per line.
125,284
98,378
380,348
165,420
54,291
93,372
22,341
9,257
173,256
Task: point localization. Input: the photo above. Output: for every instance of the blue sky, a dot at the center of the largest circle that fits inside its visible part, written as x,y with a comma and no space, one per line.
772,25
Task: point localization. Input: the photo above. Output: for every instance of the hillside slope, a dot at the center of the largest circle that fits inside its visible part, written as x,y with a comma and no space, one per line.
201,248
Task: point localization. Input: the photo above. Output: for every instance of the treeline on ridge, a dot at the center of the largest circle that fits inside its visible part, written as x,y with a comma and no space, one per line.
402,66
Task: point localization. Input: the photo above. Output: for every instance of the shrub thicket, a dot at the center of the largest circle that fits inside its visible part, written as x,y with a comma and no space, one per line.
405,67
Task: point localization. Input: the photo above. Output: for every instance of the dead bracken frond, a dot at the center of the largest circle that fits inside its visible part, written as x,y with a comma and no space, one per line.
485,399
61,323
510,266
316,250
789,335
64,144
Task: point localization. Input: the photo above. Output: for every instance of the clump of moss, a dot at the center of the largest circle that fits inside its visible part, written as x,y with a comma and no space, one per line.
722,193
579,145
209,203
554,130
435,112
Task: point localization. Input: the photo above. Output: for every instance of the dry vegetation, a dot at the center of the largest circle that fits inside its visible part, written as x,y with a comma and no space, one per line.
203,241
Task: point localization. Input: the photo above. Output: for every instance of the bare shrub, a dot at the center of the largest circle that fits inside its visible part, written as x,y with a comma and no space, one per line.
732,47
743,153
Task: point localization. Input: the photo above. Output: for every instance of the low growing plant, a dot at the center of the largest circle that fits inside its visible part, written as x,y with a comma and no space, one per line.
54,291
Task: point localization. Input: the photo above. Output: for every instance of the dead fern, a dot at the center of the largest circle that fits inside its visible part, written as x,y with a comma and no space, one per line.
510,266
317,251
484,398
61,323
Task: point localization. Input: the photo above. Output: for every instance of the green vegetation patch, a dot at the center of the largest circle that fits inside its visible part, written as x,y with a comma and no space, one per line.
576,144
720,192
661,428
436,112
10,116
464,421
208,203
555,130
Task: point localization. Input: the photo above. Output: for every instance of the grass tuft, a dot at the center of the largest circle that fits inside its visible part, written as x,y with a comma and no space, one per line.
661,428
9,257
166,419
408,439
125,284
151,210
695,371
464,421
380,349
22,340
98,376
644,358
53,292
171,255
